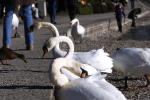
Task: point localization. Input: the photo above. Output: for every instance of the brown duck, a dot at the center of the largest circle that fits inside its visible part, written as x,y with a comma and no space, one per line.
8,54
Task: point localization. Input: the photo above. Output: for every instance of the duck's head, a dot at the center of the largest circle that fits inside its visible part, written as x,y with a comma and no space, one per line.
22,57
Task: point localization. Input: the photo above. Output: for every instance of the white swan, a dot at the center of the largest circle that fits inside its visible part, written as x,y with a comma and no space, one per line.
132,61
76,31
91,88
15,24
96,58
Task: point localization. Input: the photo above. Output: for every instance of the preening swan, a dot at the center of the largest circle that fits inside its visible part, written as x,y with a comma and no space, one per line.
76,31
61,79
96,58
132,61
15,24
96,87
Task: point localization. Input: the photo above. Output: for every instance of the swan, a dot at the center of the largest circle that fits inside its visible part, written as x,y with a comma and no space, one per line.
76,30
96,87
15,24
96,58
132,61
46,44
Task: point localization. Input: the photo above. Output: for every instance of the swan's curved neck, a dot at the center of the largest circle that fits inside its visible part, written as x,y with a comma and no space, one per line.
50,26
77,22
57,76
69,43
53,28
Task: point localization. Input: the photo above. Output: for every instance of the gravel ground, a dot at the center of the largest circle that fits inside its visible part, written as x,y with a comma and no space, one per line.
30,81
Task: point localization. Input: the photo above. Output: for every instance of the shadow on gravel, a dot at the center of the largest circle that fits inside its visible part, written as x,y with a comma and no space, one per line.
140,33
26,87
40,58
34,71
20,50
122,79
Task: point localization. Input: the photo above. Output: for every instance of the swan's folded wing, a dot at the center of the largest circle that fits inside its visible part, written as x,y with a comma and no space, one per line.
132,60
81,30
96,58
111,89
83,90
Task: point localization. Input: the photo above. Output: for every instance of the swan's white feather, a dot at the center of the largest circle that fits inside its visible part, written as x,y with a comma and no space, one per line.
99,59
134,61
94,87
76,30
96,58
99,89
15,21
81,30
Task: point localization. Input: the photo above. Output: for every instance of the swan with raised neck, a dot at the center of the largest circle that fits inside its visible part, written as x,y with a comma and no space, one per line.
99,59
55,32
76,31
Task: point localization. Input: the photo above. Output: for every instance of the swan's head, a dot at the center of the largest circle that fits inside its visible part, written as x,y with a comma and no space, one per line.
84,73
75,21
49,45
